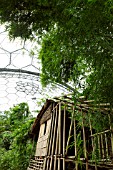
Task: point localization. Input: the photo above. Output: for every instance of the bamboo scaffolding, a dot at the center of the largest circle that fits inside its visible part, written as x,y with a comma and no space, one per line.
57,147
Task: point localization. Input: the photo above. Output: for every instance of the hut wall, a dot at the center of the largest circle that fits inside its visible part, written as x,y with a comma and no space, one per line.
73,142
41,147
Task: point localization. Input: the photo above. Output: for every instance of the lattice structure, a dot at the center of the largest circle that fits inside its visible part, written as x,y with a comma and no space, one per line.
20,73
73,135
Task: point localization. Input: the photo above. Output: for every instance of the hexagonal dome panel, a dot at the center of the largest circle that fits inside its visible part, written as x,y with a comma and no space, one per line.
20,74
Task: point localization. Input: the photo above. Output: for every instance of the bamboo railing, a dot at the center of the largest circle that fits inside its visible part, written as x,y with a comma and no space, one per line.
96,148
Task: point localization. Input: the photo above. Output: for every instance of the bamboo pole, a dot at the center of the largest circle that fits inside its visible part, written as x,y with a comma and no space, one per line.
111,138
91,131
64,136
84,141
54,137
92,139
59,129
106,141
102,145
51,139
103,132
95,155
55,159
56,152
56,147
52,129
48,144
70,129
58,163
45,161
75,139
98,138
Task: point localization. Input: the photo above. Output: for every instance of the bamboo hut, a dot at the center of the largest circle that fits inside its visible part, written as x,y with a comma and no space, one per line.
73,135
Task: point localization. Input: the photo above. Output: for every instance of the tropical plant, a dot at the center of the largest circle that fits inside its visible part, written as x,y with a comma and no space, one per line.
15,144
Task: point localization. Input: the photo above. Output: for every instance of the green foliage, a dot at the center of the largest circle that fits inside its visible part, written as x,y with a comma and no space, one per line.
76,40
15,144
100,121
79,48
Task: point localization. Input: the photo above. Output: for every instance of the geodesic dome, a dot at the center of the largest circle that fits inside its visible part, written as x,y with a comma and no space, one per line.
20,74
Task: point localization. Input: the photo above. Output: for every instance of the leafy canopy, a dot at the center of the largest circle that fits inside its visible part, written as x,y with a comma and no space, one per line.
76,37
